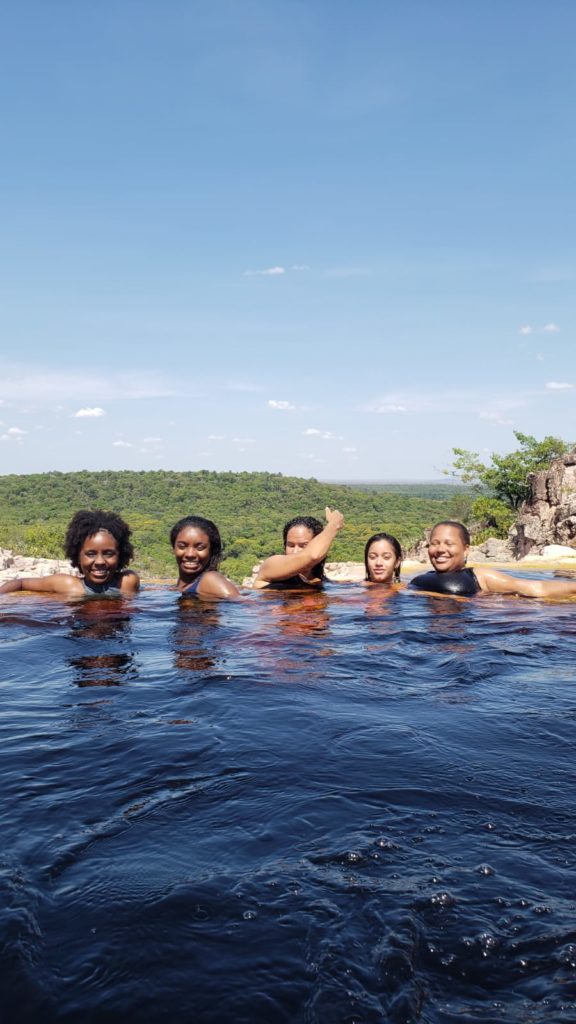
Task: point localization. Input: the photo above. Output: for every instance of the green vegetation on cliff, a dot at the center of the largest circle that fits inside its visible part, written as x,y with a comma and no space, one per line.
249,508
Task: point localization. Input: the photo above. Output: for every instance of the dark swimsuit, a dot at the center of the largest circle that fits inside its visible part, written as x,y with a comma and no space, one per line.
295,583
111,589
462,583
192,587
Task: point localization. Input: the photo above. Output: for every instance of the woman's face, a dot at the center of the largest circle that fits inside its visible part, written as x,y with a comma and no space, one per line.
297,538
192,551
447,550
381,561
98,557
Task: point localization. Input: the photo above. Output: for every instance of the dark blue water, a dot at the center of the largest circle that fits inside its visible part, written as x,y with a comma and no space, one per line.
340,807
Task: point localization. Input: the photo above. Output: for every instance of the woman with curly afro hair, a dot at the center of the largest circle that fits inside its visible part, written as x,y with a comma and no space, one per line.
98,544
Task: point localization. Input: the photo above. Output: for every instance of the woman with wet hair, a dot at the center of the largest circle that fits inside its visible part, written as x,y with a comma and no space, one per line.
98,544
306,545
197,549
448,550
382,559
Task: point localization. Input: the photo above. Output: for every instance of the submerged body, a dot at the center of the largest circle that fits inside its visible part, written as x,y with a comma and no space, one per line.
98,544
448,549
197,548
306,544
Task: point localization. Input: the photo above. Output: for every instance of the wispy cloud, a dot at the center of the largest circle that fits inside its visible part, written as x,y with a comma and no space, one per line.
324,435
14,434
242,385
48,385
89,413
122,444
152,440
244,440
281,405
526,329
267,272
558,385
551,328
216,437
350,450
495,417
299,266
390,407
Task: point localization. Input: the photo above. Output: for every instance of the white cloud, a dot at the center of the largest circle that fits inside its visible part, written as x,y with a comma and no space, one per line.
551,328
122,444
152,440
558,385
268,272
216,437
495,417
350,450
527,329
540,357
13,434
313,458
390,407
325,435
89,413
281,405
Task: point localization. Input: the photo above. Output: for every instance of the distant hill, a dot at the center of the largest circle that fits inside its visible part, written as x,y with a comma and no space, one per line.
249,508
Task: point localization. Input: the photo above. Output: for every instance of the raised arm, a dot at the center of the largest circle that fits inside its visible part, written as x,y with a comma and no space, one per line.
494,582
281,567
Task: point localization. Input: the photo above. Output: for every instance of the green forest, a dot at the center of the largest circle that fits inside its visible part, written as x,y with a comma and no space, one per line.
249,509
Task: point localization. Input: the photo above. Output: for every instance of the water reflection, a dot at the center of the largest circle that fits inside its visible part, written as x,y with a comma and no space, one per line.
193,640
101,622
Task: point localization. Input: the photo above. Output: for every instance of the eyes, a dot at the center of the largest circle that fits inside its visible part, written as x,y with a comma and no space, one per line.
110,553
387,556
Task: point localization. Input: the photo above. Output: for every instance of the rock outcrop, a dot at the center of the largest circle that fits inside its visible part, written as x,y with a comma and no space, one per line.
549,514
12,565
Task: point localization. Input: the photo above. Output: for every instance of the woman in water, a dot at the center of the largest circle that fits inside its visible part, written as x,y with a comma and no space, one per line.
382,559
198,550
448,550
98,544
306,544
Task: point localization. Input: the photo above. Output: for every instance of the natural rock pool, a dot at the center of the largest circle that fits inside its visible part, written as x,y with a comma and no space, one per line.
352,806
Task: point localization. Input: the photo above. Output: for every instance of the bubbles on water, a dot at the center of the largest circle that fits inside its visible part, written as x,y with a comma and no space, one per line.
353,857
485,869
443,900
250,915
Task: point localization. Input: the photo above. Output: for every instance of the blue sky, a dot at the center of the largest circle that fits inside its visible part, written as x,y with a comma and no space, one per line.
317,238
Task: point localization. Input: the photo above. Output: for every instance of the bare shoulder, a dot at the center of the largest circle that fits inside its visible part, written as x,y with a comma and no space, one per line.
129,582
215,584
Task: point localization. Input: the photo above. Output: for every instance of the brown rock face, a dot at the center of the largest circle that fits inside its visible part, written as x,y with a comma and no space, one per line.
549,514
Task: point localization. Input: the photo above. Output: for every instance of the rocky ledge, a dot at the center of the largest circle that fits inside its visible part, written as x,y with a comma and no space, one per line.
12,565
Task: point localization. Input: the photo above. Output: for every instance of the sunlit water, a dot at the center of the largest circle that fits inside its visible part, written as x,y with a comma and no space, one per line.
339,807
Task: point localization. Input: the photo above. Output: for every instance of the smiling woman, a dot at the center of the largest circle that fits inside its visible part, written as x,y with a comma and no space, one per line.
97,543
197,549
448,550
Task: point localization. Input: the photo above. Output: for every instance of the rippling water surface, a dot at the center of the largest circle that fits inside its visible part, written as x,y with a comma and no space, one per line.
339,807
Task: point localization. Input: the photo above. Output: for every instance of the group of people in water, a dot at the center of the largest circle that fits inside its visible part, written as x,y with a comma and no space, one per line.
98,545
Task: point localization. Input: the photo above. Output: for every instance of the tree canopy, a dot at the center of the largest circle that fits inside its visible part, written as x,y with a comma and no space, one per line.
502,485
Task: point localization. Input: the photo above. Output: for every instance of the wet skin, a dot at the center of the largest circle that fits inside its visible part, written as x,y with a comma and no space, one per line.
98,558
382,560
192,553
446,549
